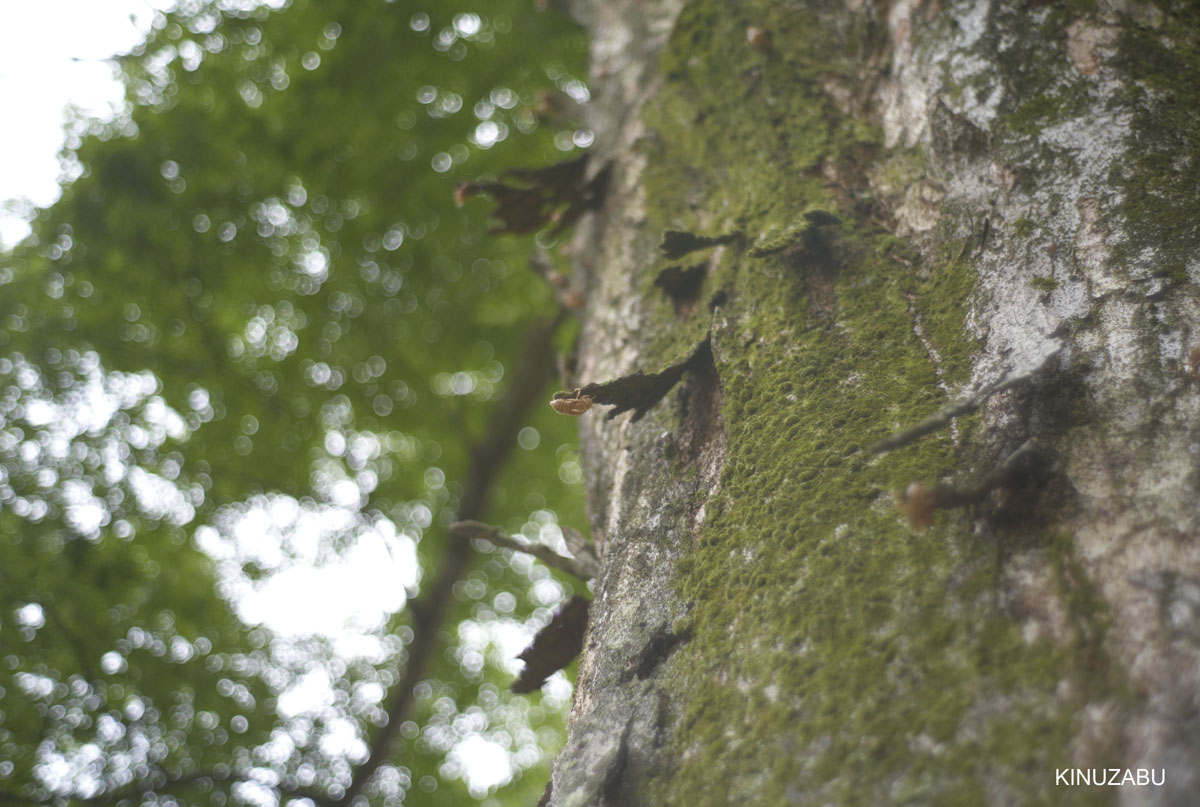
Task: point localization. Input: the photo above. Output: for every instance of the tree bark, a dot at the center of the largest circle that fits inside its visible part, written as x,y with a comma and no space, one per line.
913,202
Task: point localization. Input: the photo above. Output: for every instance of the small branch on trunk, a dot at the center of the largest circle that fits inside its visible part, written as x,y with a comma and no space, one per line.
946,415
919,502
585,565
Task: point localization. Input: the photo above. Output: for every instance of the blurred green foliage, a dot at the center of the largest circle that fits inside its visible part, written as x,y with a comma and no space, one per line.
256,335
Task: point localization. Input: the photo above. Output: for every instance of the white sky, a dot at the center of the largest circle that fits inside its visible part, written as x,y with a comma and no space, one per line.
51,55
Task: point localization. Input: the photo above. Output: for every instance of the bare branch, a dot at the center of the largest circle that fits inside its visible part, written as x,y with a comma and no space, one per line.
939,420
578,546
919,502
585,566
429,610
946,415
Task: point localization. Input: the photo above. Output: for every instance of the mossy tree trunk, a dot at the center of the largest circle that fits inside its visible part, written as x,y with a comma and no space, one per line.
913,201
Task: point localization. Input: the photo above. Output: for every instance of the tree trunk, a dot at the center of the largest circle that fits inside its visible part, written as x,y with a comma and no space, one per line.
913,203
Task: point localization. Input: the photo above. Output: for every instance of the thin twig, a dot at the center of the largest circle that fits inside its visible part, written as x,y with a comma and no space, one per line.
584,567
919,502
939,420
578,546
1004,471
944,416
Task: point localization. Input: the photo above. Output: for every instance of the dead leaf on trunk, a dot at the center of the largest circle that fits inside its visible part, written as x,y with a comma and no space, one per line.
555,645
795,234
639,391
677,243
552,195
682,286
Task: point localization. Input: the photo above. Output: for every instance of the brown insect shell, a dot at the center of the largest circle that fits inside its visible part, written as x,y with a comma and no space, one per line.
572,406
759,39
918,504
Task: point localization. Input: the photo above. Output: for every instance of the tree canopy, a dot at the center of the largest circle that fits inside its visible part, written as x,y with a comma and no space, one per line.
256,337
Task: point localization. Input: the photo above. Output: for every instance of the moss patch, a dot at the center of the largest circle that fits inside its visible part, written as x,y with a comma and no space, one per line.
1160,202
837,656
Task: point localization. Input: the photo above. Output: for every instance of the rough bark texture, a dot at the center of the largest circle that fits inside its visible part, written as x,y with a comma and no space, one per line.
924,198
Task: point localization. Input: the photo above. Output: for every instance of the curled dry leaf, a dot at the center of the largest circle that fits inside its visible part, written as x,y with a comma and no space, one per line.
677,243
555,645
639,391
552,195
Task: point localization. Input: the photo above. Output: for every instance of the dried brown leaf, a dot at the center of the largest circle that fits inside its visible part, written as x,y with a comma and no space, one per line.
551,195
555,645
640,391
682,285
677,243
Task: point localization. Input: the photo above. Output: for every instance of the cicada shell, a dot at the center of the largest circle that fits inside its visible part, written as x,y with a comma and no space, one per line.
568,404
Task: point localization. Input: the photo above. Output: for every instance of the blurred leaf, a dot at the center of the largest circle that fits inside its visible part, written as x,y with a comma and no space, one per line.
253,344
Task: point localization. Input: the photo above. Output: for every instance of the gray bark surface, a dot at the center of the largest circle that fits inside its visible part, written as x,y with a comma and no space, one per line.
1082,266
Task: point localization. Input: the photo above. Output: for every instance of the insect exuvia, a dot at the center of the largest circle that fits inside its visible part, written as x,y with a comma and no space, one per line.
566,403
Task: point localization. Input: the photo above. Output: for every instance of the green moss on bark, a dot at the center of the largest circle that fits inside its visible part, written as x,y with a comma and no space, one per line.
836,656
1160,201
